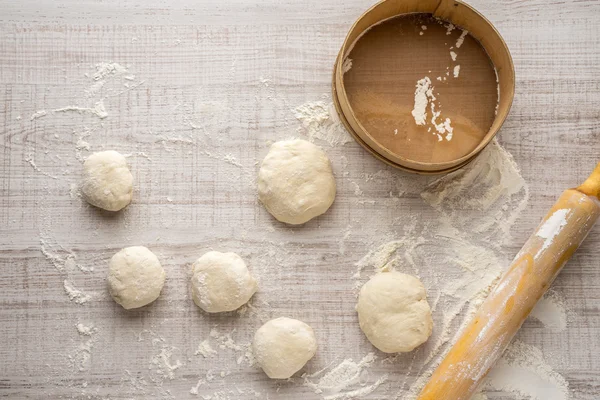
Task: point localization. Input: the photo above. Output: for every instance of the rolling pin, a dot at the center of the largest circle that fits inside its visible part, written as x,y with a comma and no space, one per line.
503,312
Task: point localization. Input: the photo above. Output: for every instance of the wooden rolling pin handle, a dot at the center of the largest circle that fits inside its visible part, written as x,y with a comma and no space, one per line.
485,338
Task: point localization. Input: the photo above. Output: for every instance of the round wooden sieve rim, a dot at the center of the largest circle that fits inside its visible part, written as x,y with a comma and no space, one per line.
460,14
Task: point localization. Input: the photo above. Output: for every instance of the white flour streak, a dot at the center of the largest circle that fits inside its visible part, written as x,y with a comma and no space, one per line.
453,55
98,110
461,39
551,228
456,70
38,114
347,66
419,111
423,97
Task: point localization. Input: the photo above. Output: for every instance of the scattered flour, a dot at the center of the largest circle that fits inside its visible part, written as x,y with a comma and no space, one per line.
162,364
485,197
86,330
205,349
65,262
523,370
551,312
225,341
104,70
75,295
344,381
78,359
320,121
477,206
194,390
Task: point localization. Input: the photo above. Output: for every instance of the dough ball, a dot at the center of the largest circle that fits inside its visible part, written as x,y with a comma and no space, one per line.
221,282
135,277
295,181
393,312
283,346
107,182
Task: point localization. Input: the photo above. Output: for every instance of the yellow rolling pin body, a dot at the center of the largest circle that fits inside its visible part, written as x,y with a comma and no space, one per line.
501,315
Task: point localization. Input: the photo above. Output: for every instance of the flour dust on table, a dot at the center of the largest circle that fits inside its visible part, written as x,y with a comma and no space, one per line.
194,149
478,202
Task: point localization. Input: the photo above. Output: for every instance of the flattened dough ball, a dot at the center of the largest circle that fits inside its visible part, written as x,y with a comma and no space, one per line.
221,282
393,312
135,277
283,346
295,181
107,182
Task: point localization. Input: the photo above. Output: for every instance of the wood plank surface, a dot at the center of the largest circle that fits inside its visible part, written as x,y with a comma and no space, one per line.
208,86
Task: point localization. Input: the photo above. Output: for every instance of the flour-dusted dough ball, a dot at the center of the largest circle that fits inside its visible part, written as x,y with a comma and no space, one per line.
221,282
295,181
393,312
283,346
107,182
135,277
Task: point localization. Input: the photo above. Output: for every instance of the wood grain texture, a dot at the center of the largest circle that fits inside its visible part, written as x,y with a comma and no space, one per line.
217,82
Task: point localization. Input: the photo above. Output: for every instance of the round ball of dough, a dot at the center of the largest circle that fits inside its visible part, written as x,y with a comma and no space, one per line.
295,181
393,312
221,282
107,182
283,346
135,277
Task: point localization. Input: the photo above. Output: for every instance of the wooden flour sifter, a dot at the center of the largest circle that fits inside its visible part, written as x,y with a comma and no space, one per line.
532,272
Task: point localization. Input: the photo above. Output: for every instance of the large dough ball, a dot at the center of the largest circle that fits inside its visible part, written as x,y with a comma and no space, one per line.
393,312
295,181
135,277
107,182
221,282
283,346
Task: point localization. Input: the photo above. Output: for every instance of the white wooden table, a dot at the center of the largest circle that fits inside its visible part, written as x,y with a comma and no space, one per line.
207,86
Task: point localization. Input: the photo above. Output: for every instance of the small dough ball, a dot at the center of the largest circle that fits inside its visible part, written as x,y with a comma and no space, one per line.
283,346
393,312
107,182
221,282
135,277
295,181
